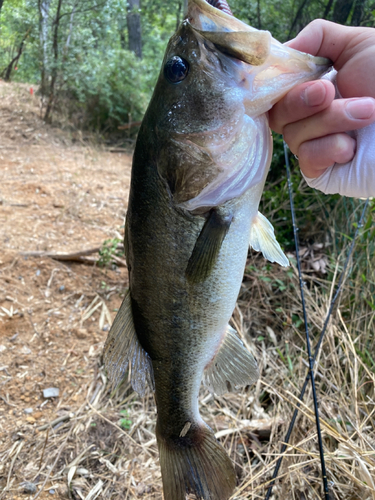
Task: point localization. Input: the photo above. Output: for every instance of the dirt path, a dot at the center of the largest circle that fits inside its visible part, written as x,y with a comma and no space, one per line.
56,195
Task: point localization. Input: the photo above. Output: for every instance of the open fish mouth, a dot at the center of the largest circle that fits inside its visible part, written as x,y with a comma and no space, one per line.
270,68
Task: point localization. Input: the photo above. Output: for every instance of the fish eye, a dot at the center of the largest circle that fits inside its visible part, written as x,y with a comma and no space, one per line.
176,69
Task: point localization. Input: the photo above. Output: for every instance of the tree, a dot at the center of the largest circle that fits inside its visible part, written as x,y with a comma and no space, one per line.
8,70
43,7
342,10
133,20
359,9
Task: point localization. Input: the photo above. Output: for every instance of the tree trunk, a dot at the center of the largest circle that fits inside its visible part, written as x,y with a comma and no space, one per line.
51,96
43,6
8,70
259,27
358,12
67,43
178,15
327,9
133,20
298,16
342,10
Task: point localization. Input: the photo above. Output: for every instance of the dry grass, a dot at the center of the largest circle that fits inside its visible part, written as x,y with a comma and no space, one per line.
94,443
97,451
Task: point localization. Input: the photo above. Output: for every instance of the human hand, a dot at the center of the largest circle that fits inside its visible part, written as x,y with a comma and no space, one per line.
314,124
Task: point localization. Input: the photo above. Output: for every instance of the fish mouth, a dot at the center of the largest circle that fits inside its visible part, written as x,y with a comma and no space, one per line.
229,34
272,67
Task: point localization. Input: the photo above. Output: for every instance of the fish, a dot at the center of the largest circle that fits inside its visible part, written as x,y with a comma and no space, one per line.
199,167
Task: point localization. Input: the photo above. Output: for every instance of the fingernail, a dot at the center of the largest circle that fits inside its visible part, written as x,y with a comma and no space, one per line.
314,94
360,109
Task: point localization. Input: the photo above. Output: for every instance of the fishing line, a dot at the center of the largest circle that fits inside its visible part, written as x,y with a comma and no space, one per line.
310,373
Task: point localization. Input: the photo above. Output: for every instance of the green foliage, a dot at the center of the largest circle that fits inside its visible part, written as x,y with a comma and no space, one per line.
108,251
101,90
312,207
81,57
125,421
97,80
18,19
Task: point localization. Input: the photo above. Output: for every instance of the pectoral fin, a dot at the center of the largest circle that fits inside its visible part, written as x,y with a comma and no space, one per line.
233,366
262,239
122,347
207,246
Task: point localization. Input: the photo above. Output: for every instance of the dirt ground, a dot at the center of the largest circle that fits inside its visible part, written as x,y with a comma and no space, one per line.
57,195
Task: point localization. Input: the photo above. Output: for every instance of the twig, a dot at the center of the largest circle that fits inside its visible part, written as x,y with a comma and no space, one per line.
44,447
129,125
63,256
54,464
79,256
67,416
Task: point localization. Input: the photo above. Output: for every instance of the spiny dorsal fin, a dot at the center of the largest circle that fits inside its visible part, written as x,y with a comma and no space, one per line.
233,366
262,239
122,346
207,246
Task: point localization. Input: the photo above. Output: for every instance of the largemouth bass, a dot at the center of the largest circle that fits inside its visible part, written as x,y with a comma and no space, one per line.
200,163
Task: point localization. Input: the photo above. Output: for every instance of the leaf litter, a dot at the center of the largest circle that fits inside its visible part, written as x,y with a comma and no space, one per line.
60,195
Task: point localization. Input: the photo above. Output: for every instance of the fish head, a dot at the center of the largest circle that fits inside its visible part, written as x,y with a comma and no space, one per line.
195,93
219,77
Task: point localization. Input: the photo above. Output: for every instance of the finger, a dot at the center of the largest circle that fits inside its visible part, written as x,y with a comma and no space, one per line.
324,38
301,102
319,154
342,115
350,48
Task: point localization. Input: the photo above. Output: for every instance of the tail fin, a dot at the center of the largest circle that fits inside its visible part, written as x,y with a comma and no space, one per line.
195,462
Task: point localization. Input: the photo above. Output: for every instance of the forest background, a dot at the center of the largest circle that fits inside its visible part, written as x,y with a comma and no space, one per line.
99,59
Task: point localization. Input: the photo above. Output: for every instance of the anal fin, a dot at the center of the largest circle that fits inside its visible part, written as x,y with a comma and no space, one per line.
233,366
122,347
262,239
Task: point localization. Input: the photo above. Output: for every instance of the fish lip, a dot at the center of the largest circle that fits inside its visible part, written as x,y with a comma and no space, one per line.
220,18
